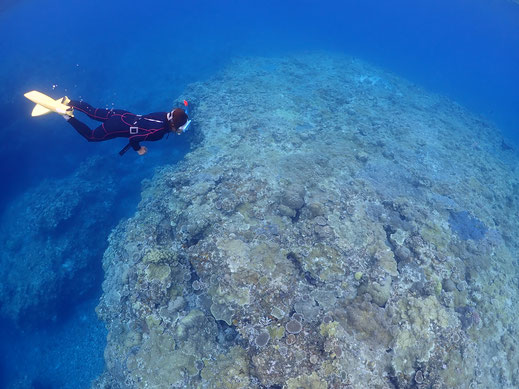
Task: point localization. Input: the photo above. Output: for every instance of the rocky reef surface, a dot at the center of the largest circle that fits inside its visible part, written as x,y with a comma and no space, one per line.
335,227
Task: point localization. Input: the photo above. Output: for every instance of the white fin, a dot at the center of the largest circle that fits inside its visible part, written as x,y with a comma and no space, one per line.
40,110
46,104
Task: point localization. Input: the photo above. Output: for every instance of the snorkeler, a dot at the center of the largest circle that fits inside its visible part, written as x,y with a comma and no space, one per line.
116,123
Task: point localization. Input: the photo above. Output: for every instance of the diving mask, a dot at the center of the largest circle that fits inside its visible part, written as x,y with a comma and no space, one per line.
185,127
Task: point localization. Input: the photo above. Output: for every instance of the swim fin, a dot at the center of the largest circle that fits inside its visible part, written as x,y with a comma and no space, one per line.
46,104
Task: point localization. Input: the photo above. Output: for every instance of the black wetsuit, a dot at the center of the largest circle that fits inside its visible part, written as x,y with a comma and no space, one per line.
118,123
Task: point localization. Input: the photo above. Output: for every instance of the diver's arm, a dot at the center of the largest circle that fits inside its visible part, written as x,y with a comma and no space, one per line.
135,143
152,136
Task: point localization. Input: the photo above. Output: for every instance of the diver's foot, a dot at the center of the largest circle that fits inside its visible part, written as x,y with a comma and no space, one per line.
67,113
65,100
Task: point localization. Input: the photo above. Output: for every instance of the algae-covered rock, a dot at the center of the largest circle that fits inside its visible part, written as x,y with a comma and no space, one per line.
368,322
311,381
158,272
287,211
158,364
409,349
227,371
328,329
293,197
386,260
380,292
160,255
222,312
152,321
195,333
455,373
278,313
421,313
415,343
276,332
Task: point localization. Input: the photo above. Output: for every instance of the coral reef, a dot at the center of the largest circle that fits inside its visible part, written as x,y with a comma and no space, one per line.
334,227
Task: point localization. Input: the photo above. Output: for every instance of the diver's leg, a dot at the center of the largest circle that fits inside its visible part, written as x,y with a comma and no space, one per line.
95,135
99,114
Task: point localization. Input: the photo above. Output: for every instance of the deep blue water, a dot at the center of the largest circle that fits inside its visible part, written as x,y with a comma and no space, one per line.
140,57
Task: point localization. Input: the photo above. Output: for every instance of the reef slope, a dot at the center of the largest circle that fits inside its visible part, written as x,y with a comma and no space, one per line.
335,227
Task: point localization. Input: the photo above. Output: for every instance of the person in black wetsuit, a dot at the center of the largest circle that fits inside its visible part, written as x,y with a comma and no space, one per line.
117,123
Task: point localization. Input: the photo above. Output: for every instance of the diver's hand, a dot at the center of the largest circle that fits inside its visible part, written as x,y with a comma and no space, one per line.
143,150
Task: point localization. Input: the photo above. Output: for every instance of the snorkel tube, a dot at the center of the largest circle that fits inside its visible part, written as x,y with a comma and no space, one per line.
185,127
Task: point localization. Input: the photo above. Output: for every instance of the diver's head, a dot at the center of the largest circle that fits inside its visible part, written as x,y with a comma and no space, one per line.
177,118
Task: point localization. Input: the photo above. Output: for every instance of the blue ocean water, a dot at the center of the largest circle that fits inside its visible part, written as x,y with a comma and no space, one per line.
140,57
